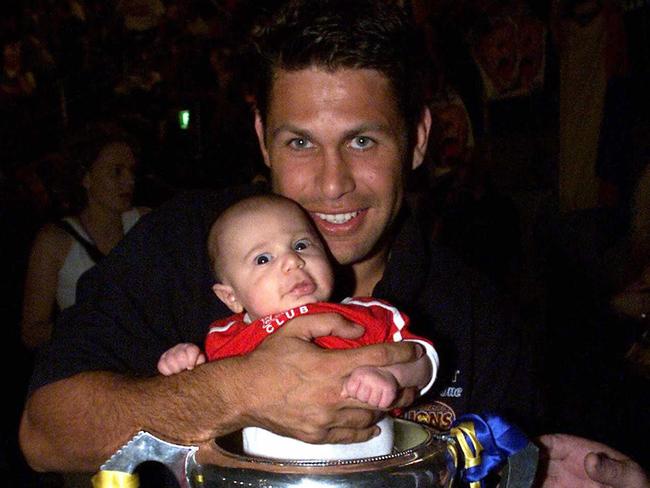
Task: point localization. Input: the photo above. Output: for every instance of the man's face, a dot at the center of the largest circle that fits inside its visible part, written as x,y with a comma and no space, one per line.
337,144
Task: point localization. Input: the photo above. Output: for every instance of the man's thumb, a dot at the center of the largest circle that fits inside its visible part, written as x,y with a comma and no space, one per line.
600,467
621,473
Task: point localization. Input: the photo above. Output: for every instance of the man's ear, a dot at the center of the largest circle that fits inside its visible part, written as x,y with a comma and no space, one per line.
421,137
226,294
261,140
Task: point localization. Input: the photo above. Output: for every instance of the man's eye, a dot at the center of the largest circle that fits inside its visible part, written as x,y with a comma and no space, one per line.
262,259
301,245
300,143
362,142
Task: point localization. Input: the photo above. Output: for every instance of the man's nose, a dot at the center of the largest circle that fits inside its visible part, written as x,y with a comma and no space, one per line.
336,179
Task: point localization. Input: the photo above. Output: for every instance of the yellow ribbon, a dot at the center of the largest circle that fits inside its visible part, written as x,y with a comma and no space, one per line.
461,433
115,479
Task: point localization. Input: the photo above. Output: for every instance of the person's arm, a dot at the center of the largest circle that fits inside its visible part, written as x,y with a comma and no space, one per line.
570,461
287,385
41,281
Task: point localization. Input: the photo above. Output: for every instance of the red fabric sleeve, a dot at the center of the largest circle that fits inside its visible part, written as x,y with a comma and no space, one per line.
232,337
382,323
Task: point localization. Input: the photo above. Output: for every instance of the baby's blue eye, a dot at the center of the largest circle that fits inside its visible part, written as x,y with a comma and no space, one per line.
262,259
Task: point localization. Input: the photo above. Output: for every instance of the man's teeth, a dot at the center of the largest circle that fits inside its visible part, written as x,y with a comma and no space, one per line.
337,218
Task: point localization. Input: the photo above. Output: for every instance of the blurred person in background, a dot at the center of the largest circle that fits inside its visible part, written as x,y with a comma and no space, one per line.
100,212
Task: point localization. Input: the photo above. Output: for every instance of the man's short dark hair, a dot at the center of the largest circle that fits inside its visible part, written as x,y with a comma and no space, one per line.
338,34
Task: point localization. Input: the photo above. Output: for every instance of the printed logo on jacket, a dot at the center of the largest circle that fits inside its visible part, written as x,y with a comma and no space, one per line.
437,415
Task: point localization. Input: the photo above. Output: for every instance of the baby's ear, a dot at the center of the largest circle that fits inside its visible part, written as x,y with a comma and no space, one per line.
226,294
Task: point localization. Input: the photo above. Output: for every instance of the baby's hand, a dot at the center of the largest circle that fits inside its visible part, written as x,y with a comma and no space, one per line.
179,358
374,386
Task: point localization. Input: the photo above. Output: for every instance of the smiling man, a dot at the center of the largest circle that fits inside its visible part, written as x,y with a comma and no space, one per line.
337,143
341,120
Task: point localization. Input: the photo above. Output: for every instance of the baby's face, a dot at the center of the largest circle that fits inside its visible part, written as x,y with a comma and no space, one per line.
275,260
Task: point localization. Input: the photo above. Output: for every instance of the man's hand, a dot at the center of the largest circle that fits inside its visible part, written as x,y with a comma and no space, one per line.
293,387
573,462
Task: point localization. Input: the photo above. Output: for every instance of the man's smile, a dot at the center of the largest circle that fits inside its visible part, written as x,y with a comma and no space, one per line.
339,223
340,218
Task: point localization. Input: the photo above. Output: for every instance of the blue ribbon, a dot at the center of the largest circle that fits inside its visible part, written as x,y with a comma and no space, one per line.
486,441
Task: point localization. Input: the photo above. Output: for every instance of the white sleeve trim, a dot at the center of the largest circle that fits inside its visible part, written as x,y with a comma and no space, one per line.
223,328
435,362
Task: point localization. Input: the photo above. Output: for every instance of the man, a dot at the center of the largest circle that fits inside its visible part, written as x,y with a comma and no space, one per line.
340,121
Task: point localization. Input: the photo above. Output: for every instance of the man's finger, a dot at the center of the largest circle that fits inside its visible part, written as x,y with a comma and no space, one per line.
406,397
342,435
602,468
377,355
356,417
310,327
622,473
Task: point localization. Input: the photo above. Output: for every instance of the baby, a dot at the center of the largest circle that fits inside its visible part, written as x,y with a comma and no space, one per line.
271,266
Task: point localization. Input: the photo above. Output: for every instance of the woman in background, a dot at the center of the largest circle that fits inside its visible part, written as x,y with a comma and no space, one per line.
100,213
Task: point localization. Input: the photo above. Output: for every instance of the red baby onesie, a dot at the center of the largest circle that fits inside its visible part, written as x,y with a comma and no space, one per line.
383,323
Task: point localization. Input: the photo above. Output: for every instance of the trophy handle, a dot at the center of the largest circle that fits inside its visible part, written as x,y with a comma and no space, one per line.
143,447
